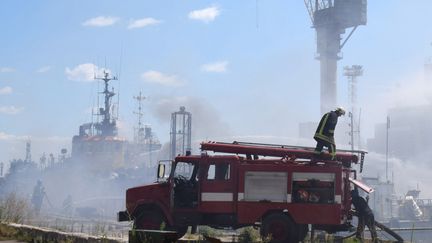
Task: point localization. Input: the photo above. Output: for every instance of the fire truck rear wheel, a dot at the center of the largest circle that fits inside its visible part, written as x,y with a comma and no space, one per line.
279,228
303,230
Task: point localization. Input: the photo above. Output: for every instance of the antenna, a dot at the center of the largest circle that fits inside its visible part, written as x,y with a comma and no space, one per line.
119,77
139,136
351,133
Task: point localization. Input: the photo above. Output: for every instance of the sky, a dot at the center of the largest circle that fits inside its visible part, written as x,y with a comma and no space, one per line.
244,68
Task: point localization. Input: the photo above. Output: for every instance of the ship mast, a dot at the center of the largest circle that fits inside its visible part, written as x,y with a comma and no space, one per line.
107,127
139,133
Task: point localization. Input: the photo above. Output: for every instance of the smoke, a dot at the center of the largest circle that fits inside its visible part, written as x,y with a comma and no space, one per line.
406,175
412,90
99,192
13,146
206,121
408,104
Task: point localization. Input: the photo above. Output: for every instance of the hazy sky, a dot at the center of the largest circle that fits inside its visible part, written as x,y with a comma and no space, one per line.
249,64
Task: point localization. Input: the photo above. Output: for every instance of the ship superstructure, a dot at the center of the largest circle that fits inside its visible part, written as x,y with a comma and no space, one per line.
143,150
98,142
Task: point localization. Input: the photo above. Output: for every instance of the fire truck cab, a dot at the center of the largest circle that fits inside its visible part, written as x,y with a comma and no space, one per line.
279,188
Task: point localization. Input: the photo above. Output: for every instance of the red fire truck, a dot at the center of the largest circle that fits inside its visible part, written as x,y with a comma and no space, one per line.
281,189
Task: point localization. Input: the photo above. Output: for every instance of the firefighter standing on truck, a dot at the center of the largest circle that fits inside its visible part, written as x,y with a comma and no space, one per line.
324,134
364,214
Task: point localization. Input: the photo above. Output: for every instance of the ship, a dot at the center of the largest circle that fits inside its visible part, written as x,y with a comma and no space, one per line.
100,167
99,144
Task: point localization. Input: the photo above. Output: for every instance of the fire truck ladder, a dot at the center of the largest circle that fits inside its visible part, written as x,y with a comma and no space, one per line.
284,151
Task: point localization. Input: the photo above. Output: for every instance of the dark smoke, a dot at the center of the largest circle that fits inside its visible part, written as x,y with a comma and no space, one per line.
206,121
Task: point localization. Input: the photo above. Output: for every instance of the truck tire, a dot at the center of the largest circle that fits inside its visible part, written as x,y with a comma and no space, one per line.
303,231
155,220
181,230
149,219
279,228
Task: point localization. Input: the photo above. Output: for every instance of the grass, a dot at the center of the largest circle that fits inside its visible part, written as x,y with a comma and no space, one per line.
10,233
249,234
13,209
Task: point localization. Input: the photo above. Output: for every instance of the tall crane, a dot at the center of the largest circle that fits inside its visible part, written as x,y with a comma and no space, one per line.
330,19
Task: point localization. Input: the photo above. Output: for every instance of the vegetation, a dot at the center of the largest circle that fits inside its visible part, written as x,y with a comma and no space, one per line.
10,233
249,234
208,231
13,209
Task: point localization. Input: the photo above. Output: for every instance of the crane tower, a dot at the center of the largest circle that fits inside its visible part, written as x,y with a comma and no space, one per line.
330,19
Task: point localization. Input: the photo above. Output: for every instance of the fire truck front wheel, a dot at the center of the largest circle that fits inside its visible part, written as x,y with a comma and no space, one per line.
181,230
279,228
154,220
150,219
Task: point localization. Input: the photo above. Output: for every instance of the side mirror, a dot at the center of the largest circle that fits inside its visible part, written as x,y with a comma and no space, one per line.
161,171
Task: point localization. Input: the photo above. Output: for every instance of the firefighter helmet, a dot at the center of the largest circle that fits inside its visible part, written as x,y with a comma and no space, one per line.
340,110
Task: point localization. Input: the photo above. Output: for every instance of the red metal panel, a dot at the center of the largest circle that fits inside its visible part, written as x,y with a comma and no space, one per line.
242,168
307,213
216,207
315,213
250,212
219,186
152,192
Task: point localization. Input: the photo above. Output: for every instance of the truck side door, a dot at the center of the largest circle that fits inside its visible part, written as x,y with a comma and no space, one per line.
218,186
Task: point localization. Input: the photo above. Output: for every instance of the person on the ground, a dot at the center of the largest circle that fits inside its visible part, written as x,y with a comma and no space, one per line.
364,214
68,205
324,134
37,196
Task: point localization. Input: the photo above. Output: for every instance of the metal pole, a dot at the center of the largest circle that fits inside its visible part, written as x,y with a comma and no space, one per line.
387,145
358,132
150,150
352,130
183,149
